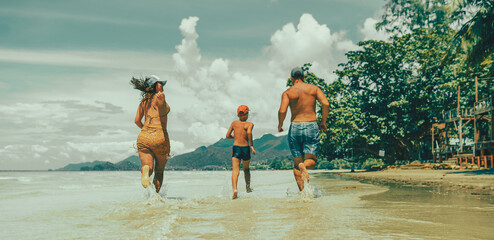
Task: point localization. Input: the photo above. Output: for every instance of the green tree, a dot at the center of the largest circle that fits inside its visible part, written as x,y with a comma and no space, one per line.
475,36
404,16
398,87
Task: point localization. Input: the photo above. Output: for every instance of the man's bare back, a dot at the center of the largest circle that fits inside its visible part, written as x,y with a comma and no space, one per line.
302,101
301,98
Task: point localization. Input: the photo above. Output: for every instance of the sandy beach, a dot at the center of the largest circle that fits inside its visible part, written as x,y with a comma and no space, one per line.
475,182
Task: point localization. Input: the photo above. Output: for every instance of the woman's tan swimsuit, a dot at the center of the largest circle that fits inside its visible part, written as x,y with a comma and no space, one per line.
152,137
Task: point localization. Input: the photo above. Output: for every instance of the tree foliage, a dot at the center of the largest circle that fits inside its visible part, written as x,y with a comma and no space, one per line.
403,16
475,36
398,86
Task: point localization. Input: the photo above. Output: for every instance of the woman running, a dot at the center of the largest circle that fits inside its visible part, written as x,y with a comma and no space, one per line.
153,144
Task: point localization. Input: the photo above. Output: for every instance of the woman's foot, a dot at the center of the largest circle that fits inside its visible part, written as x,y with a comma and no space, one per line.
145,176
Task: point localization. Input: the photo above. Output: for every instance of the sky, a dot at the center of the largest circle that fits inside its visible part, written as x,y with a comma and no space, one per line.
65,69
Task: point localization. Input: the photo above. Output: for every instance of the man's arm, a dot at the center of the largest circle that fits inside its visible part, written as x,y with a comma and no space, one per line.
139,115
325,108
283,109
229,132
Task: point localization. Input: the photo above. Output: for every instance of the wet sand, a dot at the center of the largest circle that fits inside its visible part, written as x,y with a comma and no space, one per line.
474,182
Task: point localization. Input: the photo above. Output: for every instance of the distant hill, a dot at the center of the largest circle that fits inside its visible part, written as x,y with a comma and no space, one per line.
131,163
214,157
219,154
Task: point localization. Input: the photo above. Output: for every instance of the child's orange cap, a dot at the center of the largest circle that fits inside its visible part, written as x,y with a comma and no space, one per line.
243,109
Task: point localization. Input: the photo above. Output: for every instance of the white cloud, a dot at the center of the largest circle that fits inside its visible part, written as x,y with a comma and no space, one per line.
209,132
98,147
123,60
187,57
39,148
309,42
369,31
39,13
178,147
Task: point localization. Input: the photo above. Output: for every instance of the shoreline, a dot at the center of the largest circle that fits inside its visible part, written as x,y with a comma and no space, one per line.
474,182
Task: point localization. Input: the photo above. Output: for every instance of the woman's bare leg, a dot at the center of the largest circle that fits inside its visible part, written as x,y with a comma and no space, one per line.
158,171
147,167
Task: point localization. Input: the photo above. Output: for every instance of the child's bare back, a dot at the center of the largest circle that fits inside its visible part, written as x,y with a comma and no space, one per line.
240,135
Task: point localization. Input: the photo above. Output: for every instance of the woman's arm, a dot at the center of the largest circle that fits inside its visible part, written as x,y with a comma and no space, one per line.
139,115
163,109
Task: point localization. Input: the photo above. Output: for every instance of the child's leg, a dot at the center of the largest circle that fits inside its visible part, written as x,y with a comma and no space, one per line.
245,164
235,172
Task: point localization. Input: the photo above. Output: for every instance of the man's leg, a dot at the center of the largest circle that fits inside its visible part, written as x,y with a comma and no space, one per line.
147,167
309,163
235,172
245,165
158,170
297,173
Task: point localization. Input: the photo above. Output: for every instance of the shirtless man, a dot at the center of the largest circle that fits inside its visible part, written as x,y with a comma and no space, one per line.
241,150
303,136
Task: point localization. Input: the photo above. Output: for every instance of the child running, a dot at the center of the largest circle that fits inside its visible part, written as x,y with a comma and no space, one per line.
241,151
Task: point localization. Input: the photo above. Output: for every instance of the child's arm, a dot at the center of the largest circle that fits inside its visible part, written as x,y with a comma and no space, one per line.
229,132
249,136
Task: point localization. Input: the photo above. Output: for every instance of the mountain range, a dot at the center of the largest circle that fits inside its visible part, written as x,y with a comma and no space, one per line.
214,157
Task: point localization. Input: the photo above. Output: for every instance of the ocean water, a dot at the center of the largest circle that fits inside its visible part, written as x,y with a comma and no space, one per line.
197,205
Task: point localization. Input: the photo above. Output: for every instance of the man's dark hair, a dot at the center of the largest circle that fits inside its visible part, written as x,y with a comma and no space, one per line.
297,73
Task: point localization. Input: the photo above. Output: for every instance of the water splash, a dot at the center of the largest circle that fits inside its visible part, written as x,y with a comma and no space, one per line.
152,196
307,195
309,192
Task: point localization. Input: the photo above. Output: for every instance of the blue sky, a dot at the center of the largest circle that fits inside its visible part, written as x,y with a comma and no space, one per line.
64,93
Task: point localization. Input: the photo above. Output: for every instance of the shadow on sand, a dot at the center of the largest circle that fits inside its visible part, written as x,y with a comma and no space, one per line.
475,172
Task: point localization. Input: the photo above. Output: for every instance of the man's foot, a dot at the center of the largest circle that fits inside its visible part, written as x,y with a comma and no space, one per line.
145,176
303,171
248,189
234,195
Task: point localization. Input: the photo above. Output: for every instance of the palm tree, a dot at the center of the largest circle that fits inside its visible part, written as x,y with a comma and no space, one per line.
476,36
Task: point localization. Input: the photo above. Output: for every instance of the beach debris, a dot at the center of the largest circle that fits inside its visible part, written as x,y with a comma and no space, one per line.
442,166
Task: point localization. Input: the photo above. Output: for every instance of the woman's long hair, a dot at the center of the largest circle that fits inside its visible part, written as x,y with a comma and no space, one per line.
143,85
